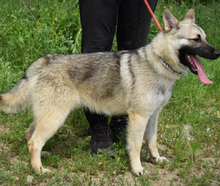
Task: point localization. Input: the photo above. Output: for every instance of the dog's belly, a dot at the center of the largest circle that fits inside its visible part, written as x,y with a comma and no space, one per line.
118,105
108,107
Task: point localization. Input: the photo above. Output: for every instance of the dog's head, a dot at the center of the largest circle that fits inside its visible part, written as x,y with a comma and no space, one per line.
191,42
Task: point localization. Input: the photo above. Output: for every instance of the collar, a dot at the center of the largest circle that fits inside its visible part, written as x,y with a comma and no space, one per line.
170,68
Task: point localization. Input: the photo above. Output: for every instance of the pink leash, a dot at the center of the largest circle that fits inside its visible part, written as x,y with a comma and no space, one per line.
153,16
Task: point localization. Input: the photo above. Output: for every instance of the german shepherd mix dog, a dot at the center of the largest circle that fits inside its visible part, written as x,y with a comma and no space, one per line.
138,83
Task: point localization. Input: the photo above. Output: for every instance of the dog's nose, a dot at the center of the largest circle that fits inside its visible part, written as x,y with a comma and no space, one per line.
216,53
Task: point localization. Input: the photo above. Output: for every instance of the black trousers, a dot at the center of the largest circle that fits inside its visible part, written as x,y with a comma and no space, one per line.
101,18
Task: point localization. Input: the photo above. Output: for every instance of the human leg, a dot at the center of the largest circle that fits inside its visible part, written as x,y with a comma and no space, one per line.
98,20
133,24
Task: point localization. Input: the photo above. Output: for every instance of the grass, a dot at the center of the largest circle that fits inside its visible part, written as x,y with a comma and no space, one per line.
188,133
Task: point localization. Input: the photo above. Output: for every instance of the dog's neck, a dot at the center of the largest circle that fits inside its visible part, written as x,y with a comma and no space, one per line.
170,68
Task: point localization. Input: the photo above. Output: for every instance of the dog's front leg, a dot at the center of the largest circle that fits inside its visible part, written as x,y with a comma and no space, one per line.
136,128
150,137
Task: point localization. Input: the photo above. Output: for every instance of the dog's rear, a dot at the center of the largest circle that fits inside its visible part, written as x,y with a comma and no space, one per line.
50,99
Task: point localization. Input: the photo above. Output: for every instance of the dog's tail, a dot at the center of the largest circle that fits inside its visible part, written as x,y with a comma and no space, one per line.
16,98
19,96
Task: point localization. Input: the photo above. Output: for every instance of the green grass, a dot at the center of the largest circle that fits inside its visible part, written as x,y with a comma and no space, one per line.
31,29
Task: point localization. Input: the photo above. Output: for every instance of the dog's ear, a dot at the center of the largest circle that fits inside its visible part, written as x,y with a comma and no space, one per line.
190,16
170,22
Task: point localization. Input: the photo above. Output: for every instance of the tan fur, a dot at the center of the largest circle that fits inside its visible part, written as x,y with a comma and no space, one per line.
126,82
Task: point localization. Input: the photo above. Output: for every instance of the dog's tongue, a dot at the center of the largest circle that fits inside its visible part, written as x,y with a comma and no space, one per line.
201,72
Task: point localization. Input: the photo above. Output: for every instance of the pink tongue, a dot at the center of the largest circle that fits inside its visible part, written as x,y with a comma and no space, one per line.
201,72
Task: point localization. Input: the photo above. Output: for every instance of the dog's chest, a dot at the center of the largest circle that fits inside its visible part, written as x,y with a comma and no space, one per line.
161,94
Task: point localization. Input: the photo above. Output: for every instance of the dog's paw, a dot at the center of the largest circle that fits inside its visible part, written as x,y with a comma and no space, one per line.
48,171
161,160
139,171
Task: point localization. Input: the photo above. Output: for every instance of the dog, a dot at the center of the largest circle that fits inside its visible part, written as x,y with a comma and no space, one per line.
137,83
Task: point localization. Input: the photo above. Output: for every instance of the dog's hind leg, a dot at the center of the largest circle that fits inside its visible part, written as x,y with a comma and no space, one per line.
136,128
46,124
28,134
151,138
29,131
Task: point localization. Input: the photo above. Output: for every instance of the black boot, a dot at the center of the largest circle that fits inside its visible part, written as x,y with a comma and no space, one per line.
100,139
118,126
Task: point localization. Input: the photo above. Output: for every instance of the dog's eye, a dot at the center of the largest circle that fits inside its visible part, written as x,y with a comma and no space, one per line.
198,39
